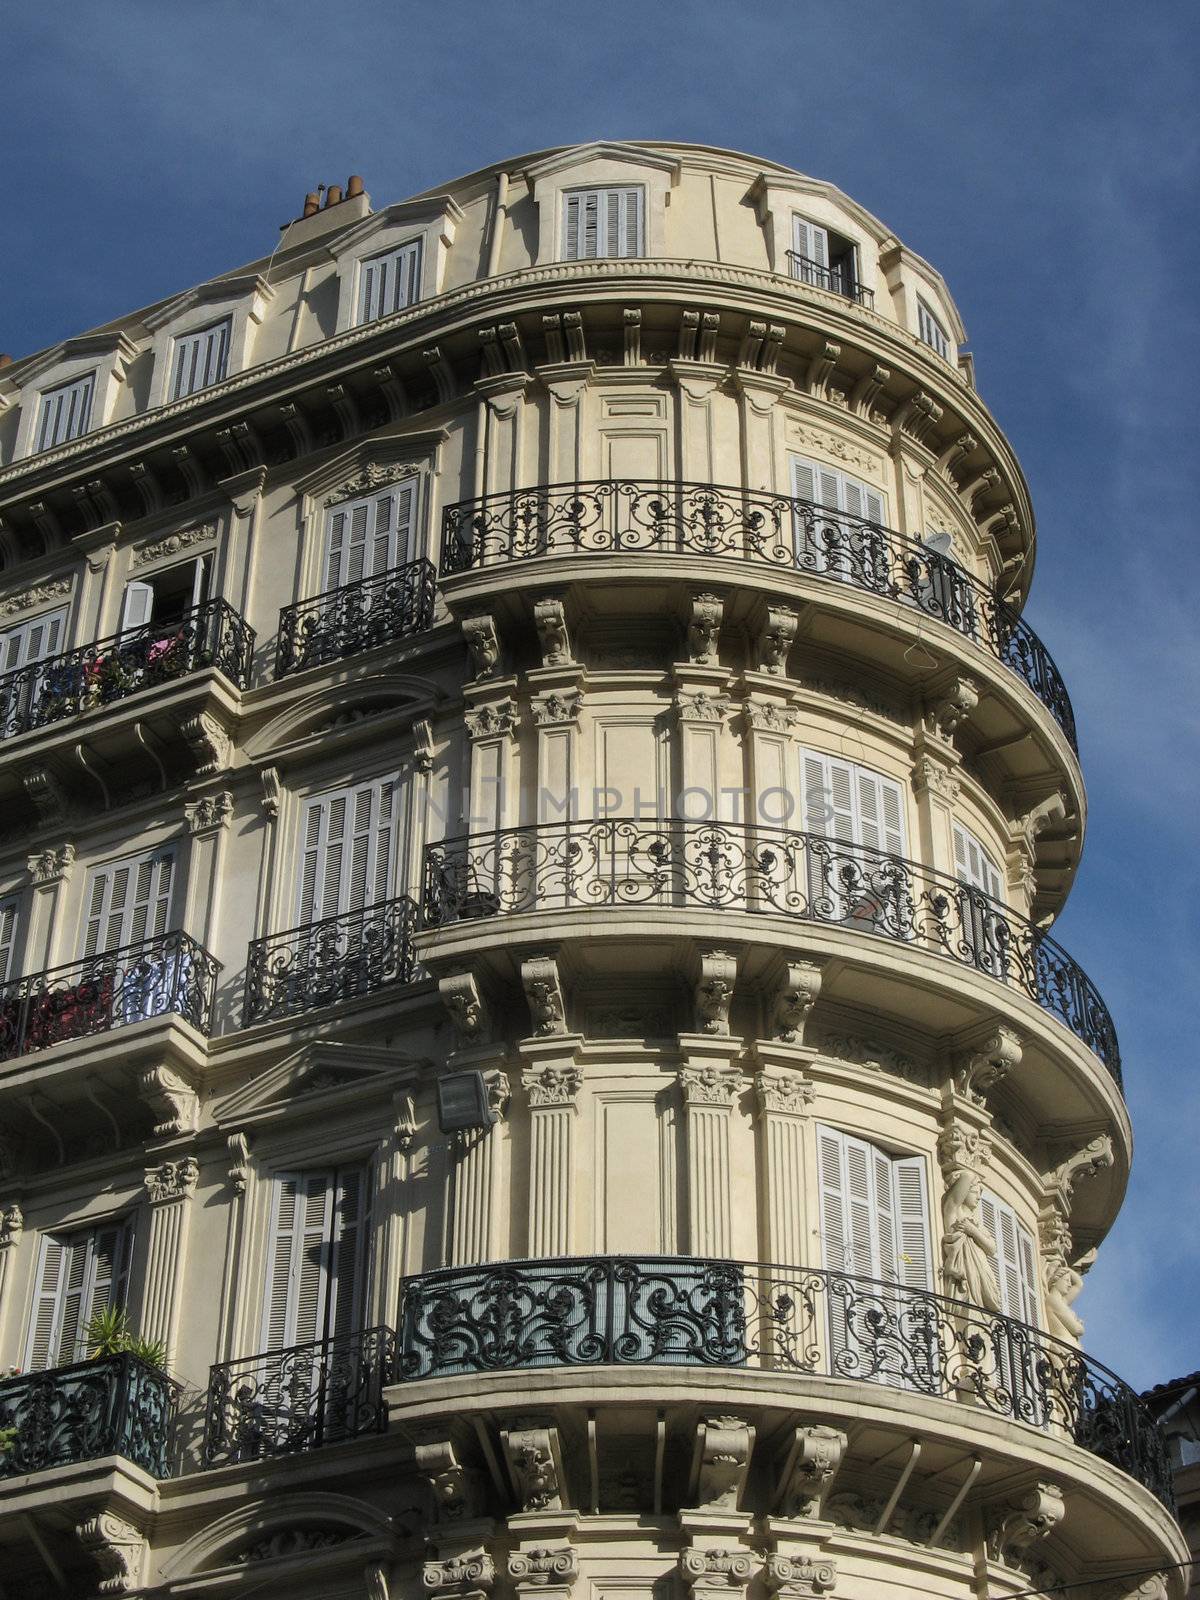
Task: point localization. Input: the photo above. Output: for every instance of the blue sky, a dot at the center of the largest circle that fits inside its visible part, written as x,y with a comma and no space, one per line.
1046,156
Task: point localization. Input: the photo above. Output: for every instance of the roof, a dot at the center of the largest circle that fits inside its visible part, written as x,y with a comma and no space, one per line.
1161,1391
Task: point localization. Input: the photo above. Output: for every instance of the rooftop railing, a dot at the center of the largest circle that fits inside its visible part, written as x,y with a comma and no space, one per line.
337,958
617,862
78,681
713,522
786,1321
165,974
343,622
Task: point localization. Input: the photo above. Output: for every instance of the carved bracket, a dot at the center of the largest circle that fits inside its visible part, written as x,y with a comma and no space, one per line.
209,742
775,639
956,702
543,991
467,1007
534,1456
981,1069
721,1461
483,643
1024,1522
808,1468
457,1490
793,998
714,992
704,629
550,620
118,1547
172,1100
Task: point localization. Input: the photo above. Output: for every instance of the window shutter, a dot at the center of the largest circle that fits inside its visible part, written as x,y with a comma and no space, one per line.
631,222
356,548
810,241
912,1213
66,412
973,864
834,1254
44,1322
1016,1258
349,850
828,786
335,540
107,1276
151,904
311,1272
405,503
276,1319
885,1218
201,359
348,1252
380,885
137,606
591,226
72,1313
335,849
382,535
314,819
873,505
862,1234
804,480
573,227
880,812
8,936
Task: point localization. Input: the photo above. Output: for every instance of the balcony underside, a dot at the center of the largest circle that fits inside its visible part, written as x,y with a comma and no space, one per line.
868,978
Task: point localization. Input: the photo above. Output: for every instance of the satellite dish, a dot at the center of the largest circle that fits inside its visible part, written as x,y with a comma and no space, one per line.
942,544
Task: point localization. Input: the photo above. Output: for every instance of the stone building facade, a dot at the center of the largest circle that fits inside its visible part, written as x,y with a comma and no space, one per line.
532,821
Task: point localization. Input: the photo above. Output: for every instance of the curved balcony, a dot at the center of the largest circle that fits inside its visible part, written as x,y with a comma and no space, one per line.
716,522
383,609
623,862
77,681
111,1406
676,1311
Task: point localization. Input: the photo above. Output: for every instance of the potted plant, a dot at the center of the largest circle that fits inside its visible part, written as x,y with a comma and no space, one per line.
110,1333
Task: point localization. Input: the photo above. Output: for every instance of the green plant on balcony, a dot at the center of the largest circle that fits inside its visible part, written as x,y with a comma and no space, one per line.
110,1333
8,1438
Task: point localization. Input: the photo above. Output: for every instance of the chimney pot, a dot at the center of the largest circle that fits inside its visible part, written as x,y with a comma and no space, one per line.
5,359
354,186
333,195
312,204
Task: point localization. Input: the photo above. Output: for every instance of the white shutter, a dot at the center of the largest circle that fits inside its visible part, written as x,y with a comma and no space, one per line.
137,607
880,811
850,1214
1016,1258
974,866
404,518
367,537
314,1285
833,1200
390,281
201,359
810,241
335,542
804,479
8,935
912,1212
887,1253
572,227
77,1278
128,901
66,412
32,641
348,850
151,902
827,791
602,223
41,1349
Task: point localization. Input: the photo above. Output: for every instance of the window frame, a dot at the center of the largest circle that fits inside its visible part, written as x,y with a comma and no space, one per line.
155,858
932,331
47,396
606,195
88,1238
413,249
179,346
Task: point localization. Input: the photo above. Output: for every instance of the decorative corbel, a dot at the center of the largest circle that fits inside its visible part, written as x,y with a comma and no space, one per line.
45,792
714,992
632,319
1026,1521
171,1180
572,324
710,327
422,743
483,643
271,791
147,486
808,1467
793,998
704,628
467,1007
534,1456
12,1225
404,1121
189,469
775,639
1083,1163
238,1145
796,1577
550,620
966,444
457,1490
867,390
441,373
209,742
821,367
980,1069
172,1100
543,991
721,1461
118,1547
957,701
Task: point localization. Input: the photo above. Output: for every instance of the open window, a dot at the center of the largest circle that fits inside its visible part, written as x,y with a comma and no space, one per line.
166,597
854,822
78,1276
822,257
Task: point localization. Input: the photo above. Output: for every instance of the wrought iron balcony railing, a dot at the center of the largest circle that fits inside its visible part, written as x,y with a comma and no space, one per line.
835,279
621,862
784,1320
338,958
67,685
342,622
310,1395
166,974
111,1406
613,517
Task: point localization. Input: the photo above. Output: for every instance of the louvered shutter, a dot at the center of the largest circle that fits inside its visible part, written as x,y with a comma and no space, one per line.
628,205
912,1214
150,909
8,936
201,359
313,828
404,505
106,909
1016,1258
332,868
127,902
348,1252
277,1300
66,412
107,1279
811,242
44,1322
335,541
973,864
880,811
389,282
348,852
137,606
572,227
834,1255
311,1270
32,642
887,1263
804,480
356,545
367,537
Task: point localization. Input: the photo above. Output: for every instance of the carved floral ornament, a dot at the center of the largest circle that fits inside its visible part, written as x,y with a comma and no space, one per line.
173,1180
51,864
374,475
173,544
39,594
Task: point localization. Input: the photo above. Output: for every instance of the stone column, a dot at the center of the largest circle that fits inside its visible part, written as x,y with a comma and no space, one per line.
169,1189
393,1173
244,490
505,397
697,381
12,1225
759,394
551,1078
556,704
208,822
709,1083
95,614
566,382
492,727
472,1232
936,786
702,710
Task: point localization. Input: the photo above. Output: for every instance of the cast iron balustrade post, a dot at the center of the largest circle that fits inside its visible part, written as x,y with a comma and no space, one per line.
212,635
166,974
721,522
383,609
338,958
716,866
798,1321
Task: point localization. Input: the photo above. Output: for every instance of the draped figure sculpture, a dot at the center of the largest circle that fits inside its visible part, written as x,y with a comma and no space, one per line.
968,1249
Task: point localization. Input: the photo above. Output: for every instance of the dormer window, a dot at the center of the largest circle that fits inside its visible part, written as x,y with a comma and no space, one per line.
602,222
931,331
389,282
66,412
201,359
824,258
